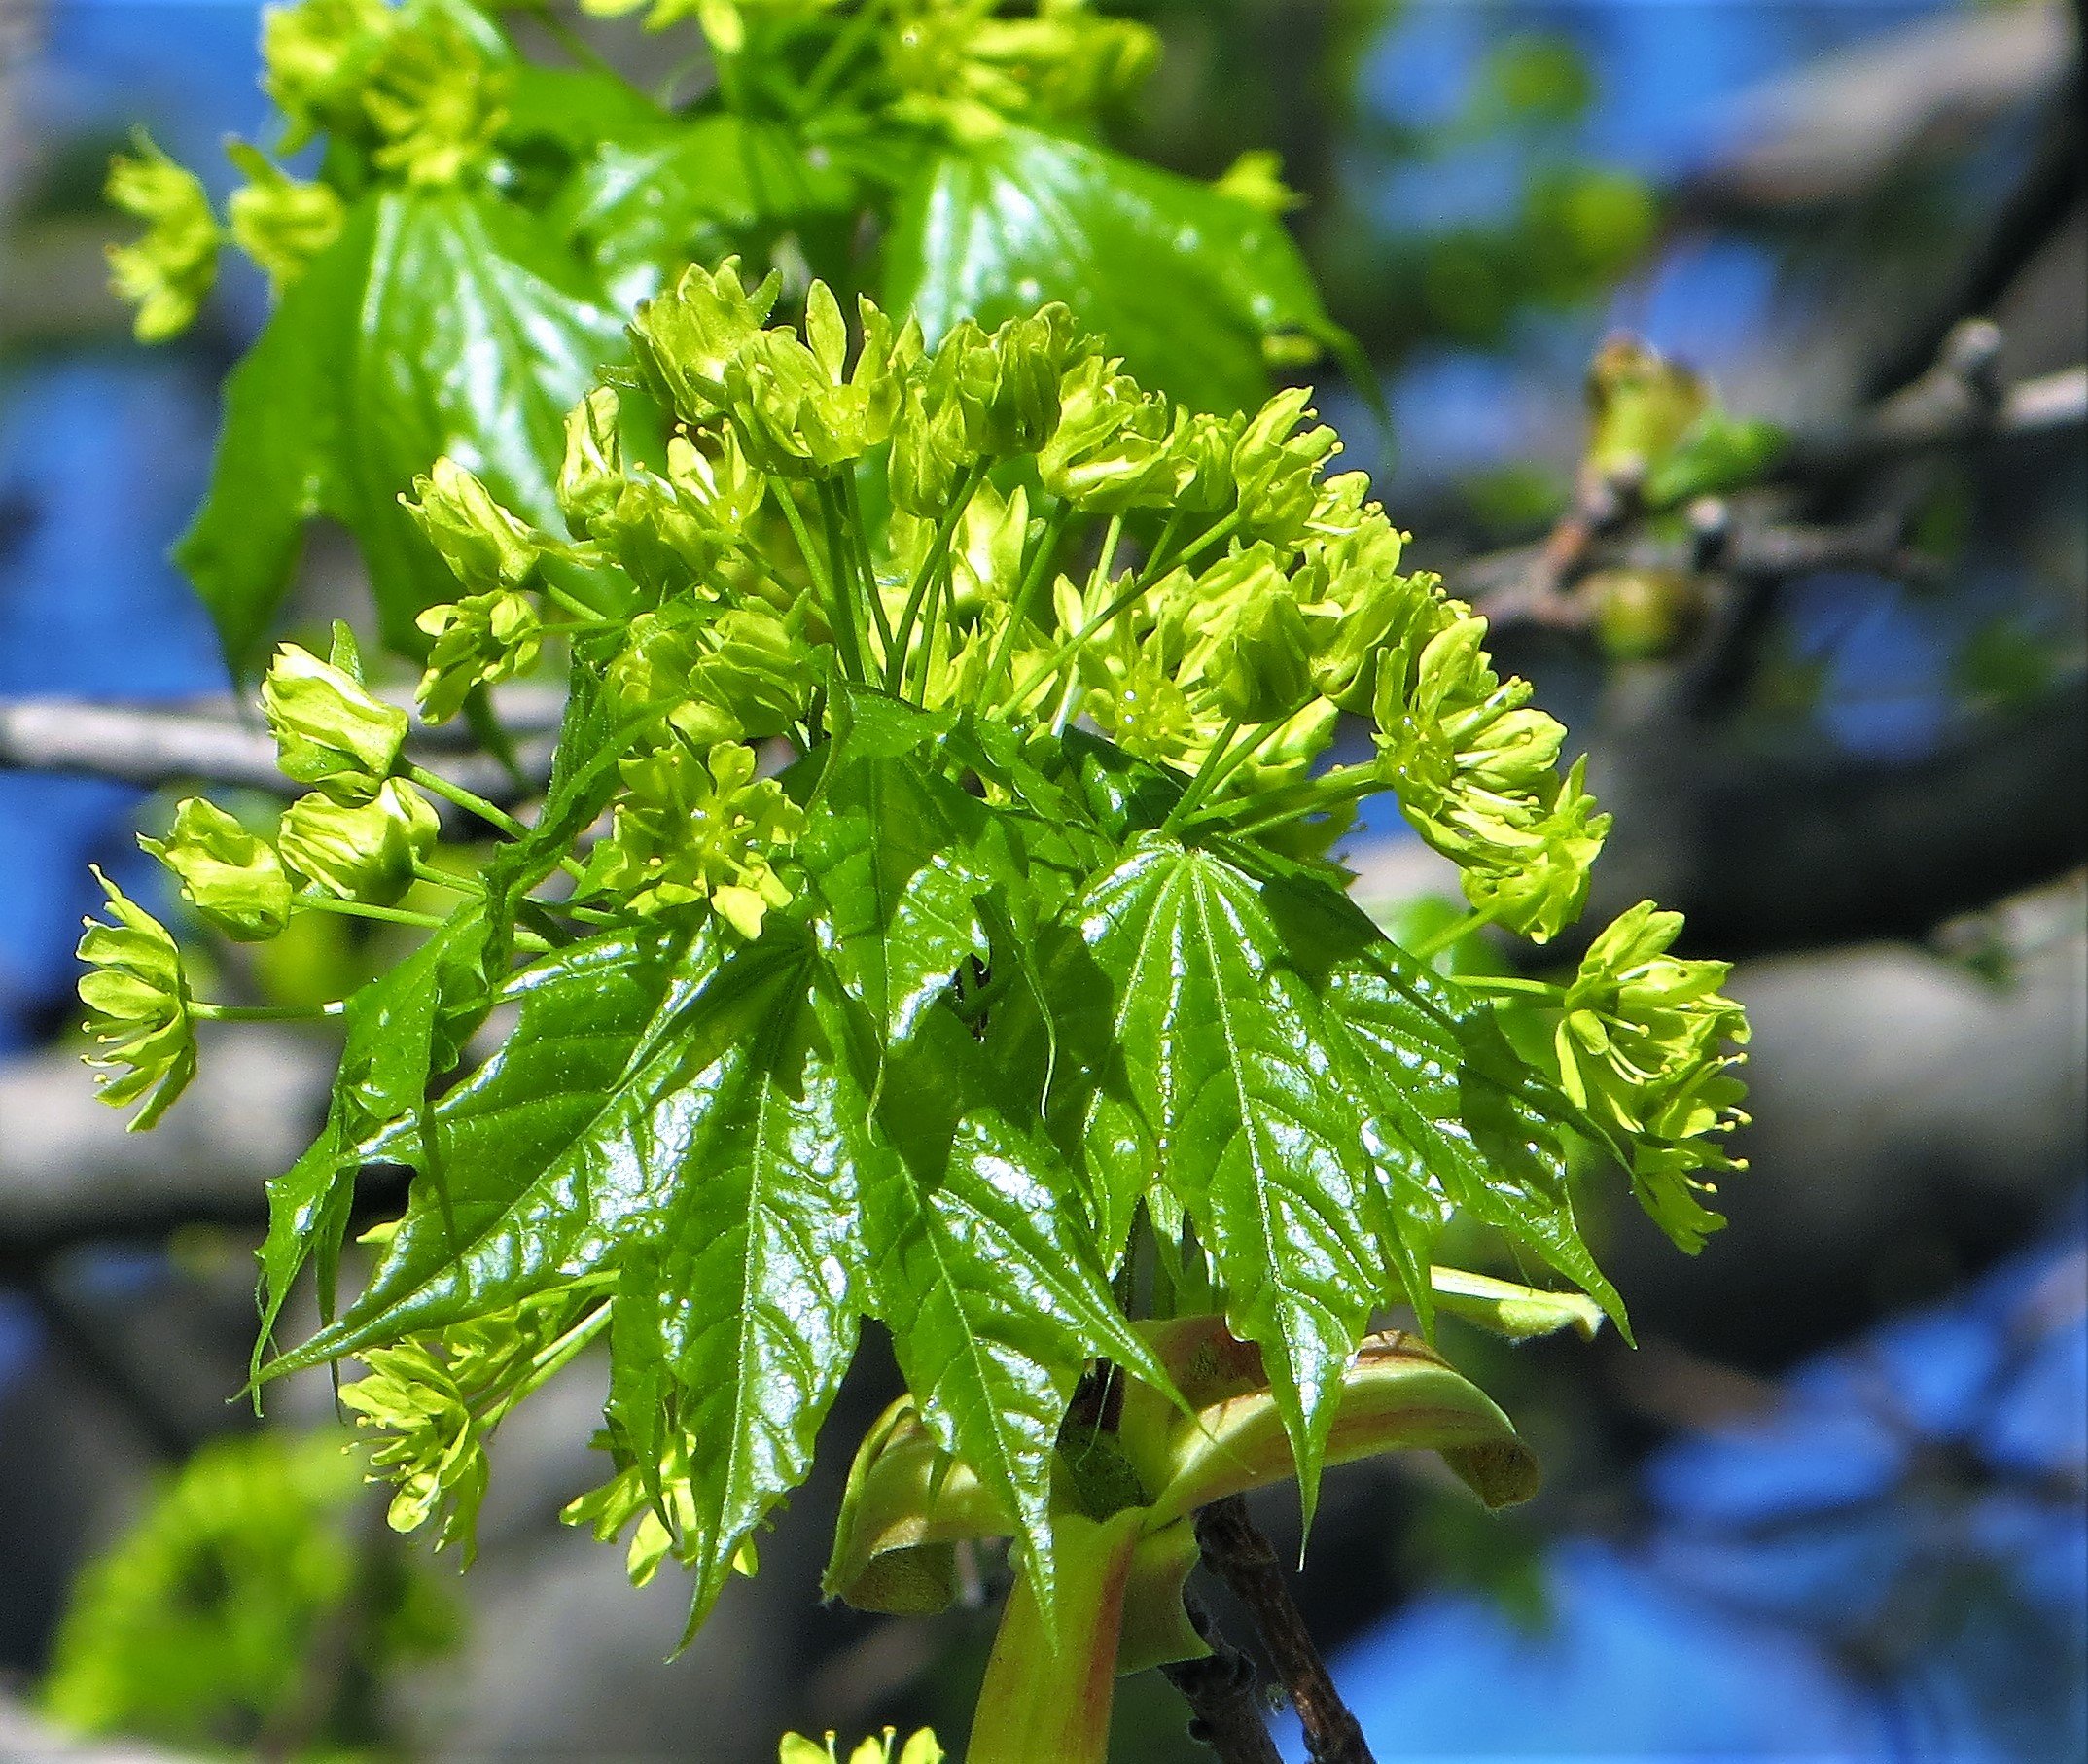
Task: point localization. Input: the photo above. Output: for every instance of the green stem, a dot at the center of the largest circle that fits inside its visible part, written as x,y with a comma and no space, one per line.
847,591
896,657
590,617
1018,613
844,629
1503,984
1051,1678
1205,541
1241,755
1266,808
860,534
838,53
941,595
577,47
1206,775
553,1359
443,878
267,1013
1428,948
360,909
467,800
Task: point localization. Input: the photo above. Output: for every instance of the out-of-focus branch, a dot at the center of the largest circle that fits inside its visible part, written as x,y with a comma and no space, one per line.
25,1739
1952,410
153,747
71,1173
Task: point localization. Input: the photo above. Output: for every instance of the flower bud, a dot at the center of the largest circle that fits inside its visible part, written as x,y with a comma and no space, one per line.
232,879
483,545
1263,669
929,453
752,675
329,731
1113,450
683,339
592,477
1278,471
360,851
138,1008
796,411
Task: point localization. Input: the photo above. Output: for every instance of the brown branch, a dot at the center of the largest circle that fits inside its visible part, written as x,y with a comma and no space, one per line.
1237,1552
1225,1706
1955,406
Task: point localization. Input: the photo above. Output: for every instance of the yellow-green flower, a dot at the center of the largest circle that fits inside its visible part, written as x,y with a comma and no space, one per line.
168,273
800,409
590,478
328,731
1475,766
360,851
921,1748
138,1008
1114,449
278,221
435,99
1646,1040
478,640
313,57
232,879
684,338
1277,465
435,1400
690,829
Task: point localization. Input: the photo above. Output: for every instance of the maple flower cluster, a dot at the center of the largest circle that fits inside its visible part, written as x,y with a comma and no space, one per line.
412,91
716,589
768,524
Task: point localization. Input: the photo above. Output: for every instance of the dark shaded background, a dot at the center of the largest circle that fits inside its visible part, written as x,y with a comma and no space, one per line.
1833,1506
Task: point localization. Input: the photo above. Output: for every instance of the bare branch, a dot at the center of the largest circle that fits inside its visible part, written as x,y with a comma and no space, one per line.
1224,1710
70,1173
1237,1552
153,747
1954,406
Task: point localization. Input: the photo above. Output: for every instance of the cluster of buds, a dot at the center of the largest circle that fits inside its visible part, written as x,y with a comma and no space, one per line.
955,60
169,272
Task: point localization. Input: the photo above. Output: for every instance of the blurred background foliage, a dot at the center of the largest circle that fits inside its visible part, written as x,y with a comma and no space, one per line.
1833,1504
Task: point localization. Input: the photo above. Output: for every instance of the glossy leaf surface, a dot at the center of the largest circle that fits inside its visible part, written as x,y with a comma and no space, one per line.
1182,282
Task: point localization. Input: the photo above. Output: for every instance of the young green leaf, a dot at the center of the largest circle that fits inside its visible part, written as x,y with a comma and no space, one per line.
982,1269
896,863
747,1291
1207,1075
1183,282
529,1173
